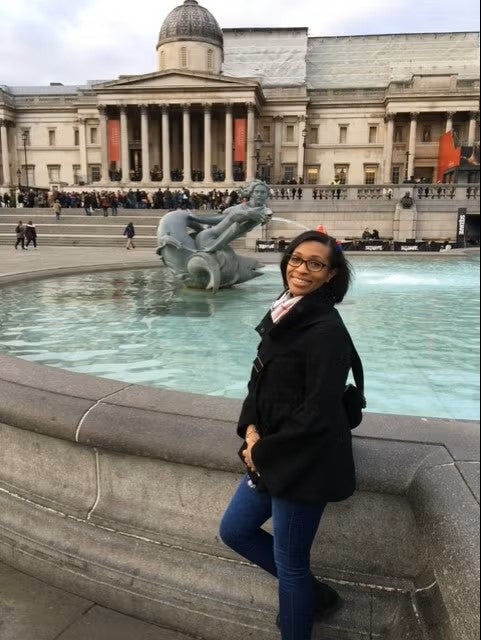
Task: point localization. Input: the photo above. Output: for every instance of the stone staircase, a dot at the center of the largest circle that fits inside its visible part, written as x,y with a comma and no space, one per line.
75,229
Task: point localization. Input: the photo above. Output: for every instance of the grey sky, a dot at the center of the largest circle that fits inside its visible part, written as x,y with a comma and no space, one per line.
45,41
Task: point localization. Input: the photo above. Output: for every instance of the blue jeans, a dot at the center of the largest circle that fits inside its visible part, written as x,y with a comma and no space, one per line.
285,555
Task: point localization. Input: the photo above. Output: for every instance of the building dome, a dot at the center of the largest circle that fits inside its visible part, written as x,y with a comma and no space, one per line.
193,23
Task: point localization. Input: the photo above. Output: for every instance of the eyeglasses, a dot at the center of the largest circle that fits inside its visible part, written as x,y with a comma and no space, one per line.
312,265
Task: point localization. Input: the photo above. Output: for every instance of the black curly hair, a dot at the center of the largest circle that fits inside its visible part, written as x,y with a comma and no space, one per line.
339,284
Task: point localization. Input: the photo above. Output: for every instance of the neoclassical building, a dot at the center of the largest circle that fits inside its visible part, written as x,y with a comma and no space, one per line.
225,105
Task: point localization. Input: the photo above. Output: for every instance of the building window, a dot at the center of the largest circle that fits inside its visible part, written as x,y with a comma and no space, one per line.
341,173
457,135
289,173
427,133
28,175
312,175
396,175
53,172
25,133
370,174
399,134
52,137
266,133
76,174
183,57
76,138
290,133
94,171
342,134
372,135
313,135
94,135
210,59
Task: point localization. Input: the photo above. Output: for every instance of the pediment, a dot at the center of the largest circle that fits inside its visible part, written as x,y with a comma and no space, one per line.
175,80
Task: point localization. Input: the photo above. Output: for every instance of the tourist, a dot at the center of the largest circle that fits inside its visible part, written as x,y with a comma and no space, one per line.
57,209
129,233
298,446
375,234
20,234
366,234
31,234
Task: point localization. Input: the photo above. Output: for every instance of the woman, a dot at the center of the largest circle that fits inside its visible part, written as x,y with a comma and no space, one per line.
20,235
297,448
130,235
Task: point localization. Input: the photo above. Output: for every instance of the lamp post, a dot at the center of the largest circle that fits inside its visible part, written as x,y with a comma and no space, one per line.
407,165
25,140
19,179
258,144
268,169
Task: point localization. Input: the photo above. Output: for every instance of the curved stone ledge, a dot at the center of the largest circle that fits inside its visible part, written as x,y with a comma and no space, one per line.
114,492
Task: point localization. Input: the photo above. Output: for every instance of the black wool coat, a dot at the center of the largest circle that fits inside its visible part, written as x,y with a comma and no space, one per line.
295,401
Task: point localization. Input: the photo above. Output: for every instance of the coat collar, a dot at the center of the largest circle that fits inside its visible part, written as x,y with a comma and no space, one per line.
308,311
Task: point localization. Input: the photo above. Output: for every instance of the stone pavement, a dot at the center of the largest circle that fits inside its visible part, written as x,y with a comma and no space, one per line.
33,610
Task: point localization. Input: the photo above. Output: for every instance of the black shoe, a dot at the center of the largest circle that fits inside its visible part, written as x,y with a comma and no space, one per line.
328,601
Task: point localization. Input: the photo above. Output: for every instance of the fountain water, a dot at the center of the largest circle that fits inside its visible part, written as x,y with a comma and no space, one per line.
291,222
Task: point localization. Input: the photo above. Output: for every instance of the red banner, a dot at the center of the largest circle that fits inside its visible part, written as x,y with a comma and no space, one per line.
240,139
113,134
449,155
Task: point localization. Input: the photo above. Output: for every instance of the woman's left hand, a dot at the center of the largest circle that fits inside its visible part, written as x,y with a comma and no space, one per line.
247,453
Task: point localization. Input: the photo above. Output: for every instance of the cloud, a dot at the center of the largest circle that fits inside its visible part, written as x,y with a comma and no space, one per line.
70,42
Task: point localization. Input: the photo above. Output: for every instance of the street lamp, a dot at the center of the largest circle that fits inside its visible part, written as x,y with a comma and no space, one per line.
19,177
407,166
268,168
258,145
25,140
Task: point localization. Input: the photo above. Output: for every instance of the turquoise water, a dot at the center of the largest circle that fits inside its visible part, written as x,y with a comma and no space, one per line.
415,321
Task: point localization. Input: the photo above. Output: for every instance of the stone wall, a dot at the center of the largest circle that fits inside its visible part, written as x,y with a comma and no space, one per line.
115,492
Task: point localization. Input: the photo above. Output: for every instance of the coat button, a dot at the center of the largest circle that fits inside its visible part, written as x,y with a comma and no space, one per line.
263,330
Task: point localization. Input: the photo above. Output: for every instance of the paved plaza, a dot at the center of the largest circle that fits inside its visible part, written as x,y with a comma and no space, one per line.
33,610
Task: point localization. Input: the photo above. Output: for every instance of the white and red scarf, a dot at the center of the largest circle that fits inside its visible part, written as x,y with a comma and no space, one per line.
283,305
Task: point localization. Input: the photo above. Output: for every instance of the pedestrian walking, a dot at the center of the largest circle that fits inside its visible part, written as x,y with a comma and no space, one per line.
129,233
298,451
20,235
57,209
31,234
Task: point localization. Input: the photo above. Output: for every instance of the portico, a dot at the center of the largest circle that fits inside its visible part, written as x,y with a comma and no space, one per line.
202,133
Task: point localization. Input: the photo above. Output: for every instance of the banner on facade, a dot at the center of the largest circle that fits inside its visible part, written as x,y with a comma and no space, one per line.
461,228
240,139
449,155
113,133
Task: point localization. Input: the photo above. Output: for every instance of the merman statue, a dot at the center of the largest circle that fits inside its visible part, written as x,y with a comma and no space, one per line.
196,248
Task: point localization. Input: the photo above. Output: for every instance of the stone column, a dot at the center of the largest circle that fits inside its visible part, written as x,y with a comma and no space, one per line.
104,144
278,122
388,147
124,144
412,145
449,120
229,141
82,134
208,143
301,146
473,118
187,145
165,144
7,177
144,136
251,125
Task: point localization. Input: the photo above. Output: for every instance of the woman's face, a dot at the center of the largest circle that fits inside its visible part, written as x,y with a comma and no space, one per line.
300,279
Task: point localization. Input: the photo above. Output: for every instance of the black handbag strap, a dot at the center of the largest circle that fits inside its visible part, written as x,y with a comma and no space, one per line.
358,371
